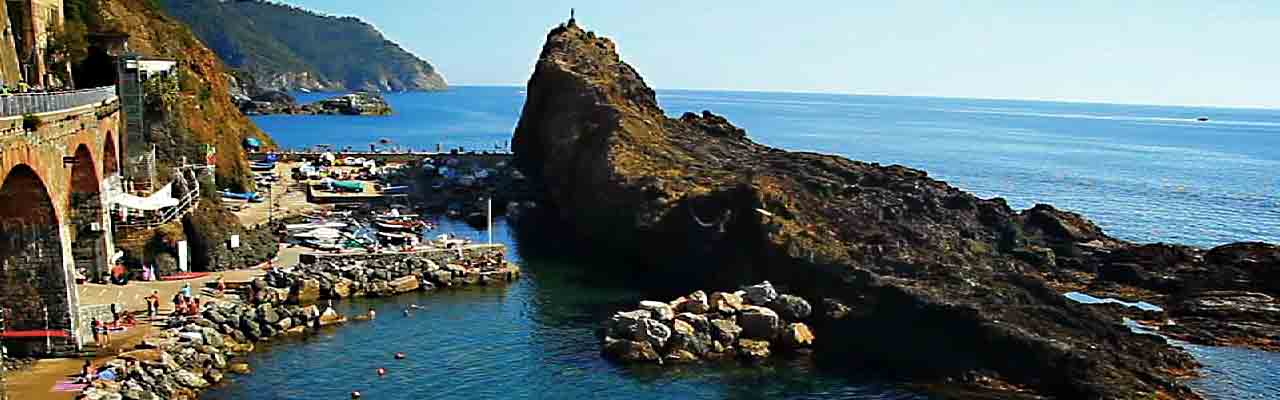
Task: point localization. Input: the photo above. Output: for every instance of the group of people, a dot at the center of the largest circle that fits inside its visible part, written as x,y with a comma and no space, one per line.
184,303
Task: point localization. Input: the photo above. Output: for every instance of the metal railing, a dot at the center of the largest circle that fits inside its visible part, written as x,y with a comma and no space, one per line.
16,104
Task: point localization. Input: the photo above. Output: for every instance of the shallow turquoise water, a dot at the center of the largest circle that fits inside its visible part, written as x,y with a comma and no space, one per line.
1144,173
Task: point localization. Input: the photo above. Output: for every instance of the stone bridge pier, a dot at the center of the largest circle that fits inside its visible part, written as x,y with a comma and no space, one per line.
53,215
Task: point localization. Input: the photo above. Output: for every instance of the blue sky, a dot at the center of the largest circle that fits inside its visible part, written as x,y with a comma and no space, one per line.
1220,53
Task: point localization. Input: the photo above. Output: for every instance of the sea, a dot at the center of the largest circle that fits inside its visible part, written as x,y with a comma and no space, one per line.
1143,173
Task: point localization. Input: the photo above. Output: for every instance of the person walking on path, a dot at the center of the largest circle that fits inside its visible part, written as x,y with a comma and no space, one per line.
186,290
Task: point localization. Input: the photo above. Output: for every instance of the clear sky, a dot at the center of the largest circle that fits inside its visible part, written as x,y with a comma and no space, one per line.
1213,52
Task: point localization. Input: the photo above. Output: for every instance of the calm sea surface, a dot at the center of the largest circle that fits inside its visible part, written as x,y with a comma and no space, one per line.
1144,173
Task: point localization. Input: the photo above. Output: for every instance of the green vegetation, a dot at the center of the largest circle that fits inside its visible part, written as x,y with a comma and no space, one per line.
67,45
269,40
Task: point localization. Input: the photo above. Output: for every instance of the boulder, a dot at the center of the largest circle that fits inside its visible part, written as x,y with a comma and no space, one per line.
405,284
622,324
759,295
191,380
797,335
753,350
630,350
307,291
660,311
698,344
724,330
695,302
699,323
725,303
341,289
791,308
759,323
240,369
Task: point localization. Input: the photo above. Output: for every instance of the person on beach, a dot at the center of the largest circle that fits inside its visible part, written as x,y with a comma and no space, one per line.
372,314
186,290
222,286
153,304
101,334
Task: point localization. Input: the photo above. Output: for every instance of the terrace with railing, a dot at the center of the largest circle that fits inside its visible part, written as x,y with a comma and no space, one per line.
18,104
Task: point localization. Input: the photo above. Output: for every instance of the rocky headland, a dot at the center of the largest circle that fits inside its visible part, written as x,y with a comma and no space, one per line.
922,280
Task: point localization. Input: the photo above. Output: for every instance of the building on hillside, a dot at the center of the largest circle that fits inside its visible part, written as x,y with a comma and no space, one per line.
26,36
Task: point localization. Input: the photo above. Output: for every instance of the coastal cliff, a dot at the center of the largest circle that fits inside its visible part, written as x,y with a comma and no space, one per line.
201,112
924,280
288,48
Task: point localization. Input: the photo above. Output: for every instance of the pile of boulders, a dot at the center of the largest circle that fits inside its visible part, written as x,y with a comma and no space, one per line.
193,353
750,324
340,278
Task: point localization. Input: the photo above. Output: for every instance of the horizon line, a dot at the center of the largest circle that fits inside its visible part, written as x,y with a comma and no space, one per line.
952,97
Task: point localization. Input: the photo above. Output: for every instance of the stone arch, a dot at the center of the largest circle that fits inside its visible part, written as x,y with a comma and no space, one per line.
33,277
85,216
110,157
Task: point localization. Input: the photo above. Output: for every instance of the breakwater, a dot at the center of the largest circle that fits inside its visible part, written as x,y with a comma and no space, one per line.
193,353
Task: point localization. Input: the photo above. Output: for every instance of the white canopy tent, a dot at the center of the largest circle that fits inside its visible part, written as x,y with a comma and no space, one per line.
161,199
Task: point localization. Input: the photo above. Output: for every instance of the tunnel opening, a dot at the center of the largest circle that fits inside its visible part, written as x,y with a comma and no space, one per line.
33,282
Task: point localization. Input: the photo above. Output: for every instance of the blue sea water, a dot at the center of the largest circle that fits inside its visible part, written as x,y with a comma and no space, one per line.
1144,173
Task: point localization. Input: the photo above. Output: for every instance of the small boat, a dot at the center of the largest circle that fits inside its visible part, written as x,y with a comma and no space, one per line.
321,244
347,186
251,196
1203,119
256,166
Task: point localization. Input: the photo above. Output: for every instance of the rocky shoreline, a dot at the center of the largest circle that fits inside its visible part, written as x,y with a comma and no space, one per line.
191,354
941,287
750,324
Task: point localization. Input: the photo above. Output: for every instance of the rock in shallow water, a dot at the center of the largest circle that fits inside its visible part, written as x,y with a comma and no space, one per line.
797,335
753,350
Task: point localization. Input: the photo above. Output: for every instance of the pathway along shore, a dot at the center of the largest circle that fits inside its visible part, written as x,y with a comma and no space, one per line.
181,356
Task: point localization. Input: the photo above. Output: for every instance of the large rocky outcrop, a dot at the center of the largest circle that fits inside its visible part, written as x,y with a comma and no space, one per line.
922,279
